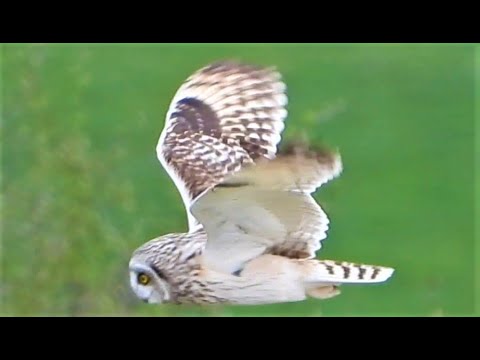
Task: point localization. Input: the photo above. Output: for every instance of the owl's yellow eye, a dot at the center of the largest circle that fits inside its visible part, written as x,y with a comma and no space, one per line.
143,279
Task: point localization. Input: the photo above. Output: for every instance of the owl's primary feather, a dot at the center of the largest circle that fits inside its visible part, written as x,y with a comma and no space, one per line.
223,116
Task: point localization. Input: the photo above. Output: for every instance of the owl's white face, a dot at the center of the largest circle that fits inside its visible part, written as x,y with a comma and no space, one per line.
147,284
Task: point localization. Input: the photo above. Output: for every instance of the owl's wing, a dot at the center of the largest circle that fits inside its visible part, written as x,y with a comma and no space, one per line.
267,207
224,115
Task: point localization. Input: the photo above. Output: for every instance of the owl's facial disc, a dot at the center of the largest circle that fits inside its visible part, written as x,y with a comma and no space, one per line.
147,284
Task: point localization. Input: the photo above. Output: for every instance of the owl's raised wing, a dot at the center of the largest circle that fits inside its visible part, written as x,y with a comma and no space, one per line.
223,116
267,207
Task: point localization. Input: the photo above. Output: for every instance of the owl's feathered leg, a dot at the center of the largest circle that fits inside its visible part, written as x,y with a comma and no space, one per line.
323,292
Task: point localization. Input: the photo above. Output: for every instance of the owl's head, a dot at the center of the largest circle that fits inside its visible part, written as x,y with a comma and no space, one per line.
148,282
151,268
159,266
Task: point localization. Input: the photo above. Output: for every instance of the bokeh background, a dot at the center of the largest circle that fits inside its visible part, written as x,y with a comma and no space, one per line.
82,188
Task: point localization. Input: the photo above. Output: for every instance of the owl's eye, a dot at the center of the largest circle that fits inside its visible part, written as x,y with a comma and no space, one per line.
143,279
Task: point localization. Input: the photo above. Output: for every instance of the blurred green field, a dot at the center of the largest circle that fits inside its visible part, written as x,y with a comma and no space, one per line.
82,188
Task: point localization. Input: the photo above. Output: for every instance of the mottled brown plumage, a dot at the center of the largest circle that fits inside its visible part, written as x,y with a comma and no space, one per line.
223,116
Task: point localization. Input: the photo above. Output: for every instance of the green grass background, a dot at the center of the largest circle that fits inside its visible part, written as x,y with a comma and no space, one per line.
82,188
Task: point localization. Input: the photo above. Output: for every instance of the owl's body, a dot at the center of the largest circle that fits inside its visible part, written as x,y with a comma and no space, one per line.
254,227
266,279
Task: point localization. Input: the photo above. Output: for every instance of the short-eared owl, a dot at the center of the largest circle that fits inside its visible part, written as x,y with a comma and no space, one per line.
254,227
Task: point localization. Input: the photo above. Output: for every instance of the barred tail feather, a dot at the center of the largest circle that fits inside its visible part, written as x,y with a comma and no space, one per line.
342,272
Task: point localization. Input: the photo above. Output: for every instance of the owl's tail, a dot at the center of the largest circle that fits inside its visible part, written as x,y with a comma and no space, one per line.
322,277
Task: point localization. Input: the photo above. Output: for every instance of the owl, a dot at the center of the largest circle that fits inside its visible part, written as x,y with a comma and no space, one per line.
253,225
